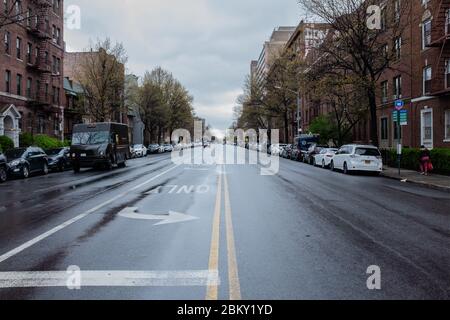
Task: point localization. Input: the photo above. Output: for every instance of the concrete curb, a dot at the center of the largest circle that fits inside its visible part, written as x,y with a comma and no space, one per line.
419,183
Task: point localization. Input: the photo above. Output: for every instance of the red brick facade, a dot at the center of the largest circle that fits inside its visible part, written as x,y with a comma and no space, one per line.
425,90
31,63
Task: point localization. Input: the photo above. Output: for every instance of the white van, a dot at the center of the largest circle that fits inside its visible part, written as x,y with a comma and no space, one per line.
357,158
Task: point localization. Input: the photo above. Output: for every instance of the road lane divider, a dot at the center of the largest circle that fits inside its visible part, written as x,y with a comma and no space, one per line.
69,222
233,274
106,278
212,290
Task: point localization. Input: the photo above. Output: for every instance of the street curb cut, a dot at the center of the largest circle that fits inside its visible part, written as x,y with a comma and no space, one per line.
426,185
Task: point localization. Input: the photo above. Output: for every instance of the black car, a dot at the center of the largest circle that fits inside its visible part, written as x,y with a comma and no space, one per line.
59,159
24,161
153,148
3,168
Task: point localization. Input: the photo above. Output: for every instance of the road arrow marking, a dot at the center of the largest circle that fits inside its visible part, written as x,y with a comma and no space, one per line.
167,218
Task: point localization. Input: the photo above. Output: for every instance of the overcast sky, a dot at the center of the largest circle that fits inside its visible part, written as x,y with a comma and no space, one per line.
206,44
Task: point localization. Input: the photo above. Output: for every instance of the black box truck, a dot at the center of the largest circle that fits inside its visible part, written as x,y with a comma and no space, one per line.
97,145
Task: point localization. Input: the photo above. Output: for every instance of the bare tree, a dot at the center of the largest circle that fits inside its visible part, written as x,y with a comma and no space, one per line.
354,46
101,74
13,13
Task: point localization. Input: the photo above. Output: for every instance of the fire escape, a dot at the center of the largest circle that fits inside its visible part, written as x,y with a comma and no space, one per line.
440,36
40,30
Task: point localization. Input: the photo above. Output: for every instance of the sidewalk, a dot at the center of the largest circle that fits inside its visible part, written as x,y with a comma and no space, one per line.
433,181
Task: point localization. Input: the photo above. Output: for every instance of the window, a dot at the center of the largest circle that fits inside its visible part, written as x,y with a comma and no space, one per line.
398,48
29,15
58,93
5,7
19,48
447,124
384,91
447,21
29,84
8,81
46,92
7,42
427,128
384,129
397,10
427,73
398,87
54,95
29,52
58,36
447,73
19,84
426,34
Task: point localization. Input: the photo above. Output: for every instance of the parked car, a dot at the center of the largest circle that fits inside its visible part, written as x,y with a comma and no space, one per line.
99,145
323,159
3,168
167,147
153,148
314,149
296,154
24,161
276,149
351,158
139,151
286,152
59,159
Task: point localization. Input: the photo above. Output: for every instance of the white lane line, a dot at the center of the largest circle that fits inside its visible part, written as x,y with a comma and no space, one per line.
39,279
47,234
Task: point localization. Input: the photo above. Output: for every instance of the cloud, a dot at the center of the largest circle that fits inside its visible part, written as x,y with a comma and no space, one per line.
206,44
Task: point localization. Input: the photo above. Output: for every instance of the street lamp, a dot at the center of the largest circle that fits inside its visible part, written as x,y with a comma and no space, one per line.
298,106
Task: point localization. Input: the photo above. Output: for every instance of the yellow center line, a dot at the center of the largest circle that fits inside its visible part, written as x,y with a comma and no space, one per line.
212,290
233,274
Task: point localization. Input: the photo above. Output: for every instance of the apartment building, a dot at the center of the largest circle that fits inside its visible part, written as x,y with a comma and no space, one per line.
422,80
31,60
271,51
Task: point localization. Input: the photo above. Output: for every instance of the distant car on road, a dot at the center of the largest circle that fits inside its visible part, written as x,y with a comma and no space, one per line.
3,168
139,151
167,147
323,159
59,159
153,148
351,158
24,161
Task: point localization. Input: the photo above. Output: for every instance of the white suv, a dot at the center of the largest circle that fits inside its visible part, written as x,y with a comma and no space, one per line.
357,158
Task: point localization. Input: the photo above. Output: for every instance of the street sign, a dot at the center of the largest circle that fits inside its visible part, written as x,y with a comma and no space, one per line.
403,117
399,104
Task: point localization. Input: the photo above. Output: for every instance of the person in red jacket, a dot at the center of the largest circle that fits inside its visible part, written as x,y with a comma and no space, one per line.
425,160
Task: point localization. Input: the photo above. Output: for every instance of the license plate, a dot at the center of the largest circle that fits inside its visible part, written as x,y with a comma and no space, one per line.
83,155
368,162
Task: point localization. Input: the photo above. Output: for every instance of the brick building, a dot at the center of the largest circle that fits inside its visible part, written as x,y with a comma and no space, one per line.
422,80
31,60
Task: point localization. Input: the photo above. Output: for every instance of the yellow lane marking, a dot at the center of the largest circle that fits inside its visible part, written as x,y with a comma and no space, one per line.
233,275
212,290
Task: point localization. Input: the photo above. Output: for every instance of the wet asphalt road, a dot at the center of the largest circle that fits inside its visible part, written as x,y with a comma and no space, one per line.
304,233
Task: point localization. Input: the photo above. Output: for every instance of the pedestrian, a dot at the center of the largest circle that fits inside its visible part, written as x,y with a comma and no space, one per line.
425,160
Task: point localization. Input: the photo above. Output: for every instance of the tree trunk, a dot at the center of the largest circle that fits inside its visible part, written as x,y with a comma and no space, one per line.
373,115
286,127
